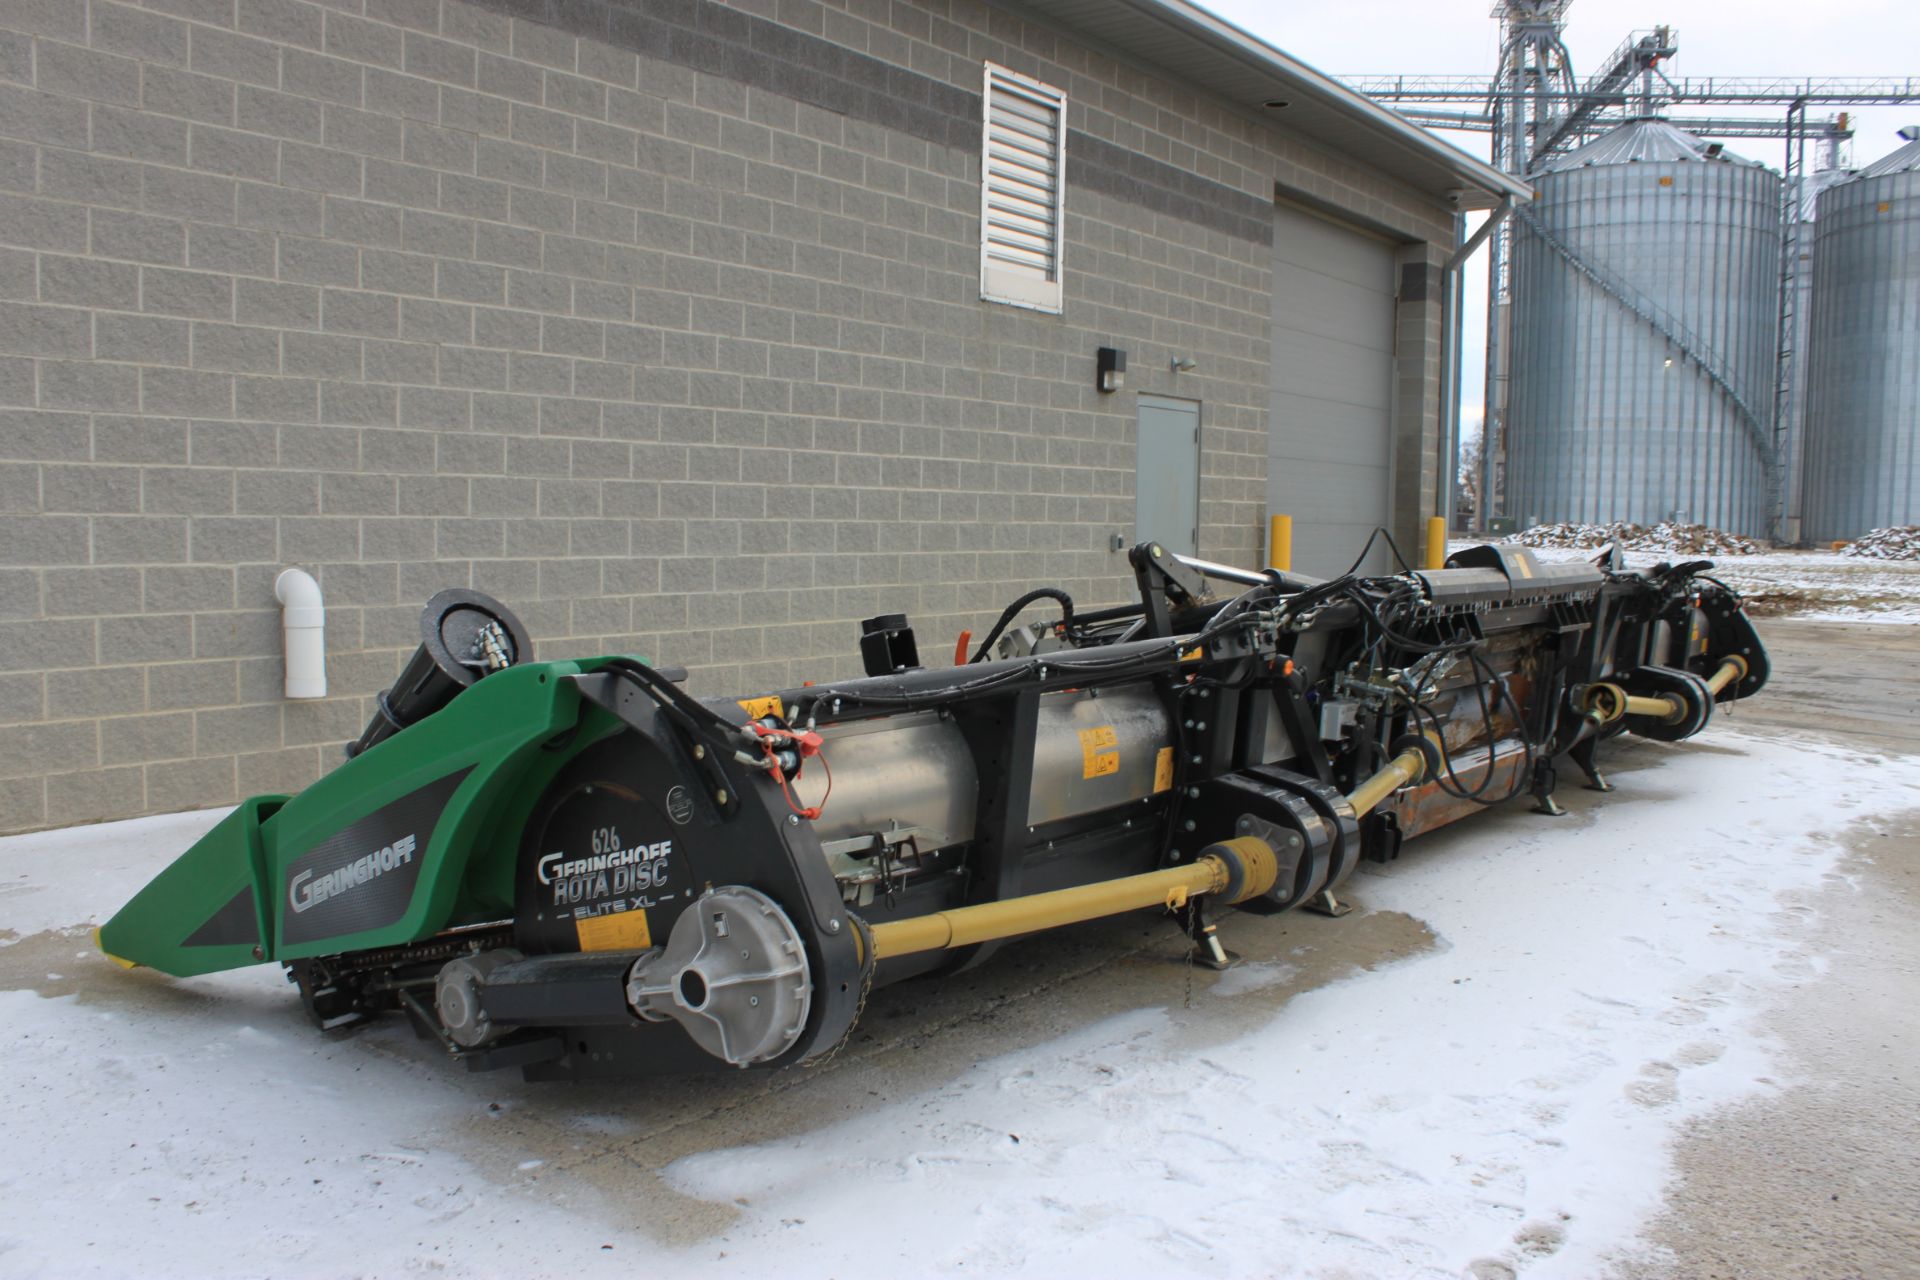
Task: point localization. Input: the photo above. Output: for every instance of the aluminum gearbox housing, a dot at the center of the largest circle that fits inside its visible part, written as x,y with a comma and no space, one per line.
733,974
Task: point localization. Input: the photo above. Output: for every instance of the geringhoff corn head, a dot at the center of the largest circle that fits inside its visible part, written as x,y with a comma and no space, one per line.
579,869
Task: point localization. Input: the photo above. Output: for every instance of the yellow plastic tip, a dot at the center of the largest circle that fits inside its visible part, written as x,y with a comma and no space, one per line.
124,964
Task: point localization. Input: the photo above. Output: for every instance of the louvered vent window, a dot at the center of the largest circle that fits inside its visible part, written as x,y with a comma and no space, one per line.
1021,191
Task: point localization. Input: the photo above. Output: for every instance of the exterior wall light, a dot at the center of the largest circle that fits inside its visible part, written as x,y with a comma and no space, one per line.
1184,364
1111,366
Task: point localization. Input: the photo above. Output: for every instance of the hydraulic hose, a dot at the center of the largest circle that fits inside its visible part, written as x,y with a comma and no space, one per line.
1012,611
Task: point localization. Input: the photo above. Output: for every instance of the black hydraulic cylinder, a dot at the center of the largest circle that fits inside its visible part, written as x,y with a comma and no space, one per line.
463,635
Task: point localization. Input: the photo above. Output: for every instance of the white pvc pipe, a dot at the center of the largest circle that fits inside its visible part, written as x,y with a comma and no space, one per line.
303,622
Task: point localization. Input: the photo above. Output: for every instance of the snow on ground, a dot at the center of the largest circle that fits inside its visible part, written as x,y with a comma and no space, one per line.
1504,1099
1820,586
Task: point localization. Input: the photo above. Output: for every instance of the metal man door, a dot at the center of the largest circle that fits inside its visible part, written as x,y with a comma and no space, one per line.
1166,483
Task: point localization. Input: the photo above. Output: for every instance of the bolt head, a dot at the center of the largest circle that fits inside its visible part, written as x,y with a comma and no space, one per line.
833,926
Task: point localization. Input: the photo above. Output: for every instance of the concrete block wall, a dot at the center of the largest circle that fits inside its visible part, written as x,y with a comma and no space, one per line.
659,321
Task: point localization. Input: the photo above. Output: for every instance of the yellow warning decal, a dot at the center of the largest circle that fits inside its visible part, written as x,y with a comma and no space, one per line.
621,931
1194,654
1095,760
758,708
1163,770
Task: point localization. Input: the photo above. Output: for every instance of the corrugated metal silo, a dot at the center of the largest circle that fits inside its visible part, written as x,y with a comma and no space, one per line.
1645,312
1793,446
1863,383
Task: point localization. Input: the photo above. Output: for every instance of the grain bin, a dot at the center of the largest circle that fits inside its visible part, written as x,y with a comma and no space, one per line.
1645,313
1793,433
1863,374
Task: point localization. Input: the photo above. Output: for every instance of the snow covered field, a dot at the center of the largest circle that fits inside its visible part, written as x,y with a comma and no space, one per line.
1497,1099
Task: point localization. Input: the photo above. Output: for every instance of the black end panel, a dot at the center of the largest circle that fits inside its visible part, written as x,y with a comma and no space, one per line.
626,837
605,861
1730,633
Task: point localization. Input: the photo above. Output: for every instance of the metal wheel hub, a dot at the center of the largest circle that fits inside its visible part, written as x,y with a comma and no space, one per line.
733,974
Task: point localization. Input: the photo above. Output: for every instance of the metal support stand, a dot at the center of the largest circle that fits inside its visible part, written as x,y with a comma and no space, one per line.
1325,904
1545,778
1208,952
1584,756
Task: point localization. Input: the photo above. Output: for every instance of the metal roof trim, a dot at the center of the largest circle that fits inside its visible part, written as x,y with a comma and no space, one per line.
1650,140
1250,48
1904,160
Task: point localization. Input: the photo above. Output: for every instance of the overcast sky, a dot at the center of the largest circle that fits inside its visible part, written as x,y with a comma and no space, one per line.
1878,38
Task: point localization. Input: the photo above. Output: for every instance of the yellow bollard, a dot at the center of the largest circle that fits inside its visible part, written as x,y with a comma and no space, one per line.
1280,543
1437,542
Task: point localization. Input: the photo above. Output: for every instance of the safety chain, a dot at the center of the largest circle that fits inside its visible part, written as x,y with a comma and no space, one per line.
1186,935
867,970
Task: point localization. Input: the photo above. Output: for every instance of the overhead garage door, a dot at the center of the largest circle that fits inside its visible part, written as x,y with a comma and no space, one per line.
1329,440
